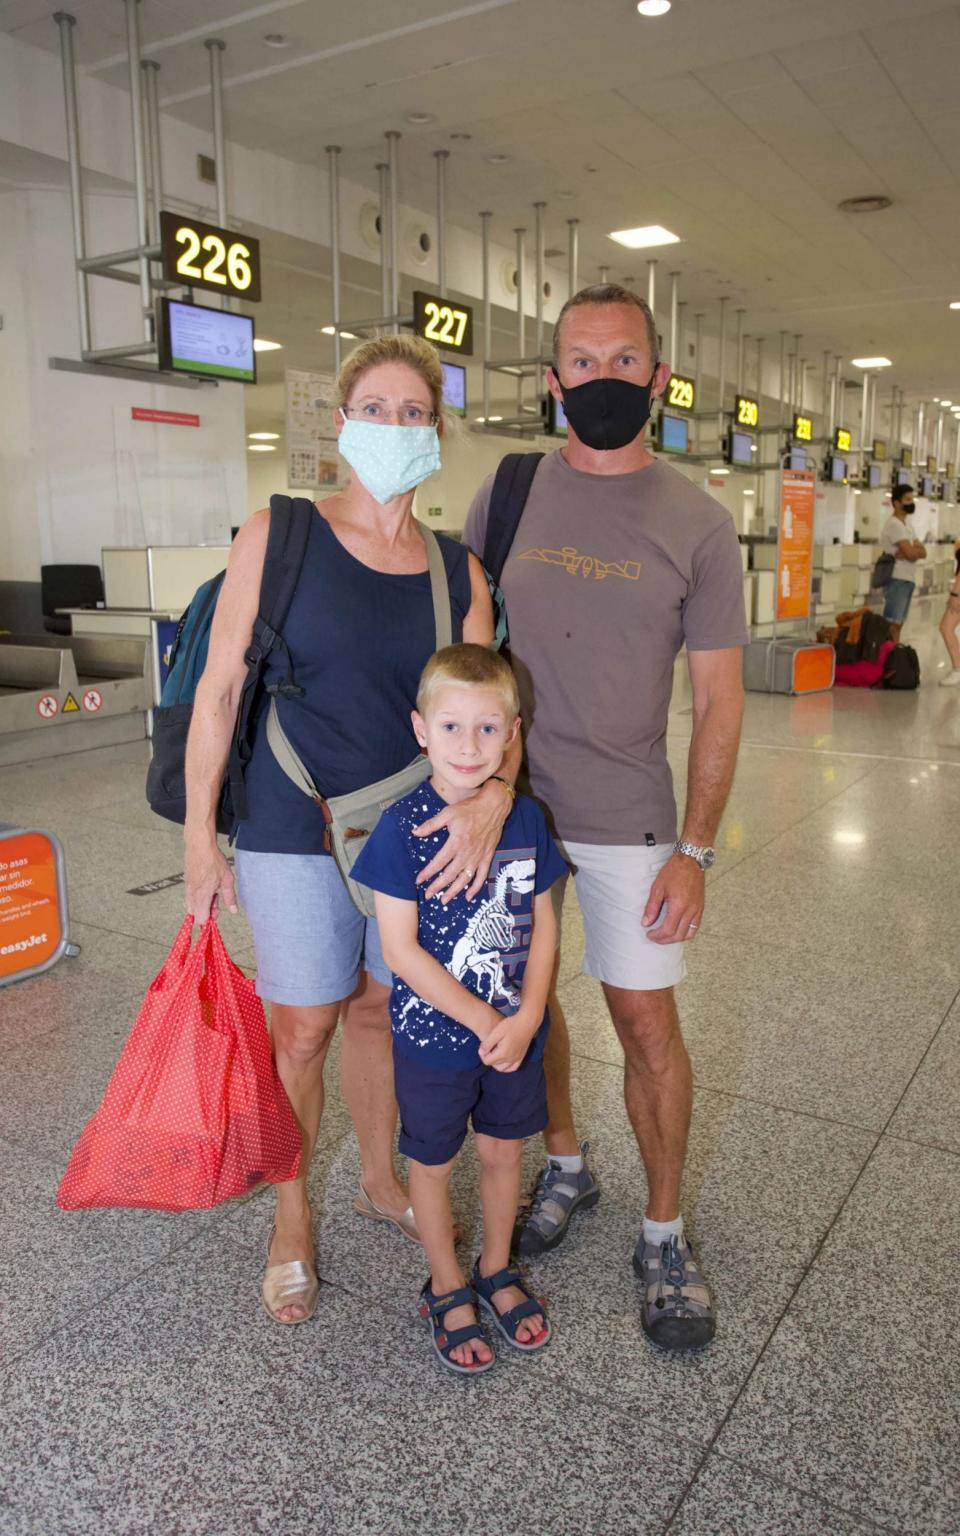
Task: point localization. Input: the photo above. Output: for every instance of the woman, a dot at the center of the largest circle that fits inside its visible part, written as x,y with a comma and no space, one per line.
949,625
360,628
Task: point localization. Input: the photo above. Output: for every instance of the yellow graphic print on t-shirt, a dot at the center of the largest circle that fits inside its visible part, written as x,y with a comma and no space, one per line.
576,564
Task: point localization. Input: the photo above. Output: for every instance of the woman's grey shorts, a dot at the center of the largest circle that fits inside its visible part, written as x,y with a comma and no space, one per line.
311,941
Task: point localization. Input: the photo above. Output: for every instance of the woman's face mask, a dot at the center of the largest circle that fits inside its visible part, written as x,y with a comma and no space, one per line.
389,459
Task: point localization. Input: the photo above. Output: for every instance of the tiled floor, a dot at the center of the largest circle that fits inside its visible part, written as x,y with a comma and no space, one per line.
144,1391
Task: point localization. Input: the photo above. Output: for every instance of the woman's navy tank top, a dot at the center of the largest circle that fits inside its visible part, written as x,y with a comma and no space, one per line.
358,639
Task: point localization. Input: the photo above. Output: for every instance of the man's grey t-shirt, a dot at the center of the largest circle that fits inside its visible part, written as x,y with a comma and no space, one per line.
607,578
892,533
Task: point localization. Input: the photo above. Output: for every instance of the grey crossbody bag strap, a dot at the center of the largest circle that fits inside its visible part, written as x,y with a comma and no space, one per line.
350,818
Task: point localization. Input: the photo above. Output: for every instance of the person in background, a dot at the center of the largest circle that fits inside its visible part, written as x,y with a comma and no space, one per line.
897,539
949,625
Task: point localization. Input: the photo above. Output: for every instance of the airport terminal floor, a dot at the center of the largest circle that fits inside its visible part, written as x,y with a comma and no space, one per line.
145,1390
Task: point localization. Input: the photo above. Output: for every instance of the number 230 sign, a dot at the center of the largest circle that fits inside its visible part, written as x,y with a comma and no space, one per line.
444,323
203,256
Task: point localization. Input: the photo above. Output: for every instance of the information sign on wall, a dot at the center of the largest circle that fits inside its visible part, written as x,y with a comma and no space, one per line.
312,459
798,488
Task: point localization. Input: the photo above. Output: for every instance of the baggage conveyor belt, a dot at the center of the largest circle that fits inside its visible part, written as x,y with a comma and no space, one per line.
68,693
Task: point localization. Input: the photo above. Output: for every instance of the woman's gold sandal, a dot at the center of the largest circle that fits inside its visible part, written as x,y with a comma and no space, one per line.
405,1223
294,1284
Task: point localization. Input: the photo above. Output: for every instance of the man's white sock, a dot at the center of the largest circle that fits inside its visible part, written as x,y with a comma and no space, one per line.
662,1231
567,1164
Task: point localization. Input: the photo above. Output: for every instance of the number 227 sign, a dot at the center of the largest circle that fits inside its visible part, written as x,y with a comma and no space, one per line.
444,323
203,256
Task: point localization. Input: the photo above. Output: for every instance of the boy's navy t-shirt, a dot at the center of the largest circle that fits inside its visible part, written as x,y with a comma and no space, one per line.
484,943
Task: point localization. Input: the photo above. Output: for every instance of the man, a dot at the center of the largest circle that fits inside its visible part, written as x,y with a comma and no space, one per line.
898,540
618,561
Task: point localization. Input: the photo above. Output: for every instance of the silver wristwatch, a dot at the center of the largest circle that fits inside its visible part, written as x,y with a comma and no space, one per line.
705,857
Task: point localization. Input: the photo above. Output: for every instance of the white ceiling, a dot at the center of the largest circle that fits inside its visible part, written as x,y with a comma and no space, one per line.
740,124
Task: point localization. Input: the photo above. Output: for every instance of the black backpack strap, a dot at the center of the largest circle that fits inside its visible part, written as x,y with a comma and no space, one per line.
508,497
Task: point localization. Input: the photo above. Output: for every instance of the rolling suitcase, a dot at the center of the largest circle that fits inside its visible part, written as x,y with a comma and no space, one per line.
788,665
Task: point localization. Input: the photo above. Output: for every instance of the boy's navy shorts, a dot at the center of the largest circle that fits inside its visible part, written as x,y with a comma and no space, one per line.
437,1103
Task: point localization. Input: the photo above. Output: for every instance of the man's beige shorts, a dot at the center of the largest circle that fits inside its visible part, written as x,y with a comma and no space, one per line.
613,885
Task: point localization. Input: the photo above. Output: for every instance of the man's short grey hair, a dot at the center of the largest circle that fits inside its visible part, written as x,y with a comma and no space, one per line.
609,293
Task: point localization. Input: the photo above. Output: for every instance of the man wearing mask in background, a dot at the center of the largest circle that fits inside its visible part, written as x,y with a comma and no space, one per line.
617,562
897,539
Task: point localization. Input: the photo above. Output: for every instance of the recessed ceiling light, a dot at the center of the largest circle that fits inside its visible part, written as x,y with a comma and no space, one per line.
946,402
261,448
644,236
262,345
498,159
955,304
873,203
419,118
263,437
276,39
653,7
328,330
871,362
749,493
461,138
719,470
482,419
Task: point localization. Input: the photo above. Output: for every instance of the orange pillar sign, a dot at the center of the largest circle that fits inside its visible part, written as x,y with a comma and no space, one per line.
798,488
33,921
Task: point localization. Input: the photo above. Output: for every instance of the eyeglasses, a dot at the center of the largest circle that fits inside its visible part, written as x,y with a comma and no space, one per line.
403,416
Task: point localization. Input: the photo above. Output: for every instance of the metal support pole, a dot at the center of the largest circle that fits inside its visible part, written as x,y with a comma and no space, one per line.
783,376
521,326
573,256
837,420
65,24
382,169
939,448
441,156
393,139
697,367
604,274
652,285
681,352
872,413
538,265
759,368
797,377
215,48
864,408
485,294
919,435
151,84
674,277
740,315
830,417
801,383
139,169
826,384
722,363
956,451
333,164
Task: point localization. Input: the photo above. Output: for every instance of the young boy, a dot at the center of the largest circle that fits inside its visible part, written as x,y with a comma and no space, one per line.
469,1001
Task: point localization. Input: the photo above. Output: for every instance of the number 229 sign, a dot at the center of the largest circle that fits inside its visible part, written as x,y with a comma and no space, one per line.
444,323
203,256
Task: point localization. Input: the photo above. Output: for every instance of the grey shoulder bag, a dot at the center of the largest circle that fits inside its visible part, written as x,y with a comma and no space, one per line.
351,818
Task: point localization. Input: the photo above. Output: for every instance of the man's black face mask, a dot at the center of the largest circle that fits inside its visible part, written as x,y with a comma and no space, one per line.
607,413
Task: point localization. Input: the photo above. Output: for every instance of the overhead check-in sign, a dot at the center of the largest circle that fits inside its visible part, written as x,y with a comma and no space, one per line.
843,440
746,411
444,323
803,429
681,393
932,464
203,256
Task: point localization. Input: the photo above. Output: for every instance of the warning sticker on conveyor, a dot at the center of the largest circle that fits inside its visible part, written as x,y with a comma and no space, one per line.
70,705
47,707
92,700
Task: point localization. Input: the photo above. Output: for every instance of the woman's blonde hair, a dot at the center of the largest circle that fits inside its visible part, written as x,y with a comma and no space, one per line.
473,666
411,350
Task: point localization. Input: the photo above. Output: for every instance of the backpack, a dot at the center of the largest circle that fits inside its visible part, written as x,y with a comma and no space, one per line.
901,668
882,571
508,497
290,523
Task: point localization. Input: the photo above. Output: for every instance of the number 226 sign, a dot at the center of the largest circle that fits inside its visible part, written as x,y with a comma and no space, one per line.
203,256
444,323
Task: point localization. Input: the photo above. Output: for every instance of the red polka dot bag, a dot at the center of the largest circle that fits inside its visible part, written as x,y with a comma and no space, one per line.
194,1113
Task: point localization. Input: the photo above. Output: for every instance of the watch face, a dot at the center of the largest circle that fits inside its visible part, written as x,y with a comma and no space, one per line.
707,858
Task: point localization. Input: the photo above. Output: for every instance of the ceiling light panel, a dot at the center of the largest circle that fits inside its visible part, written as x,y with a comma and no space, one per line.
643,237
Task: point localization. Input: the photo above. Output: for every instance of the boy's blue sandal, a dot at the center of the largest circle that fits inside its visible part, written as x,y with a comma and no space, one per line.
444,1340
508,1322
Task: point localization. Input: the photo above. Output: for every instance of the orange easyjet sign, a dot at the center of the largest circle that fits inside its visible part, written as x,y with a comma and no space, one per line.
31,915
795,554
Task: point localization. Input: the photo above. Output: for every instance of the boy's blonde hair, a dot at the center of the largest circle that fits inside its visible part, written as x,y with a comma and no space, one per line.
470,666
411,350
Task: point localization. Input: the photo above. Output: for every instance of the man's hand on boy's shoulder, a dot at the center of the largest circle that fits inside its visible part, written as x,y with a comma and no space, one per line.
508,1042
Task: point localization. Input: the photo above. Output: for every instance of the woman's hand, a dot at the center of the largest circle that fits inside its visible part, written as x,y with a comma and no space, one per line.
209,879
474,828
